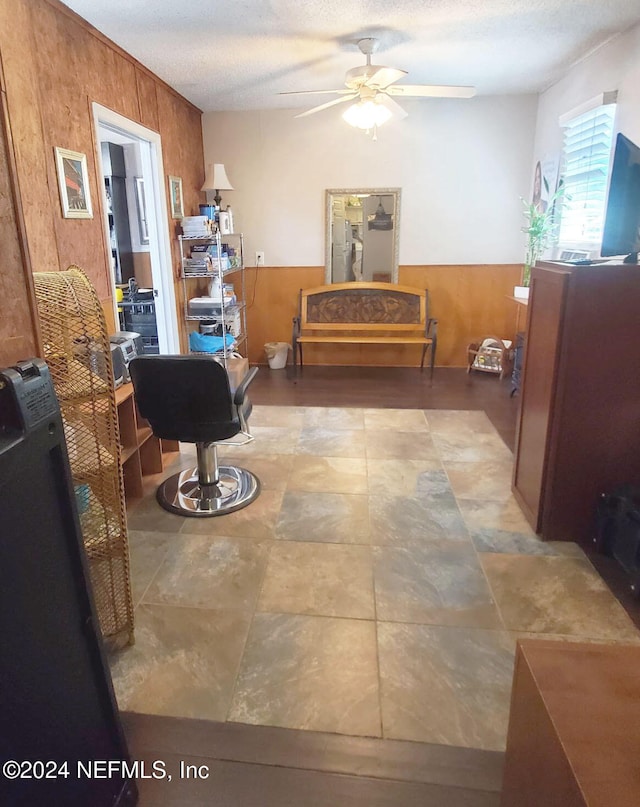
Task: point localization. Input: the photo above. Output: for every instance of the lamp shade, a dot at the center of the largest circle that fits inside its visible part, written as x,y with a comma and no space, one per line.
216,178
366,114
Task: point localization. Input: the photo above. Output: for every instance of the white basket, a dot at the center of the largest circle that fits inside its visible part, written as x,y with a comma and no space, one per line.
277,354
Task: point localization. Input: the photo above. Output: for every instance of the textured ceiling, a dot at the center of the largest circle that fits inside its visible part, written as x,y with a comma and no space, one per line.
238,54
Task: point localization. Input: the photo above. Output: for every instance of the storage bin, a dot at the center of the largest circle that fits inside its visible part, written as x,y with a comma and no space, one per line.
277,354
491,355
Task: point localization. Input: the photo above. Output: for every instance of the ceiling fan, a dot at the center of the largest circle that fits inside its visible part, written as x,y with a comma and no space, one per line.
373,87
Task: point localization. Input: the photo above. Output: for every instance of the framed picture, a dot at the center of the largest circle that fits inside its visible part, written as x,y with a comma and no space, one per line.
73,180
142,210
175,192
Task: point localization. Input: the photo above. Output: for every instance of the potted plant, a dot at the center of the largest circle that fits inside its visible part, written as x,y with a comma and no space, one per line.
540,227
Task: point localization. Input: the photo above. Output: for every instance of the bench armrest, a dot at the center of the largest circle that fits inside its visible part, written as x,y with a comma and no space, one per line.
296,327
431,330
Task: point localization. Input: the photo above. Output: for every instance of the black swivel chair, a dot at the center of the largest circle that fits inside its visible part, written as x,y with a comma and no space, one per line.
188,398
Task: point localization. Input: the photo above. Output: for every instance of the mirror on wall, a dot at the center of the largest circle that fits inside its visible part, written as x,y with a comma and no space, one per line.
362,228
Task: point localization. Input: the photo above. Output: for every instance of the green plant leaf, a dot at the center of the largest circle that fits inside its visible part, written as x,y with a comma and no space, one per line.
539,227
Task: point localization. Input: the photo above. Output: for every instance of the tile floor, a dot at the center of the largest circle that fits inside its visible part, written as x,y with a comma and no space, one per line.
376,587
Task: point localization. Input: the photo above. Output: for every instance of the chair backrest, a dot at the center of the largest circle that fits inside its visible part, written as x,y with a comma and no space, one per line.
185,398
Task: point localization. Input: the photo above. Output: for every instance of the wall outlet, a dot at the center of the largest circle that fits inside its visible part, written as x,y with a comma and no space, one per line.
259,258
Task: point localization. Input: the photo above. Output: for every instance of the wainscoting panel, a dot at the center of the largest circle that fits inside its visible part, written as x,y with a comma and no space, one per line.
470,301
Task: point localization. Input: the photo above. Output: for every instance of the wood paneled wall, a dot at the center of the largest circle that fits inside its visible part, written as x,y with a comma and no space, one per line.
18,328
55,67
469,301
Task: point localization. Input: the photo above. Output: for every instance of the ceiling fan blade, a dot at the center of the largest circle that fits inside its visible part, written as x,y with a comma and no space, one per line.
316,92
328,104
384,76
431,91
393,107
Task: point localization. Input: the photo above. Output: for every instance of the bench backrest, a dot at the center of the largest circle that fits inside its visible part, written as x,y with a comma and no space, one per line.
362,306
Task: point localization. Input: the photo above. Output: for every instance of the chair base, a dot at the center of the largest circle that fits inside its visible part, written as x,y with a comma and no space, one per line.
183,494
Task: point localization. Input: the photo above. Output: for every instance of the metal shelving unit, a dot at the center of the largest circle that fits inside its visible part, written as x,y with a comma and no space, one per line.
231,318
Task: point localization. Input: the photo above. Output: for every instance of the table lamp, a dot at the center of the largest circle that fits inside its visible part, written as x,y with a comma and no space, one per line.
216,180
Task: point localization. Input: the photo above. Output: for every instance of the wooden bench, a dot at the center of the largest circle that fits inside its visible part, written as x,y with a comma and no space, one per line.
364,314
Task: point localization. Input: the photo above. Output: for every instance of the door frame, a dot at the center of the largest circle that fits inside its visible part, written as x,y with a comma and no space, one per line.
156,202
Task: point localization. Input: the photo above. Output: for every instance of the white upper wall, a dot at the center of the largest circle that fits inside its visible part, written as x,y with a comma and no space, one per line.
615,66
461,167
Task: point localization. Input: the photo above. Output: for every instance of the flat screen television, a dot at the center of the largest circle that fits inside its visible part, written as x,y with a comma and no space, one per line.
621,234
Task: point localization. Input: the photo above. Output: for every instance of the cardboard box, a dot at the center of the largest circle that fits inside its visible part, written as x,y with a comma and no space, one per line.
237,368
232,321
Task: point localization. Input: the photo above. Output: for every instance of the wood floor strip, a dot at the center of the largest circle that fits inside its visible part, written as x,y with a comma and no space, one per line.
241,784
395,760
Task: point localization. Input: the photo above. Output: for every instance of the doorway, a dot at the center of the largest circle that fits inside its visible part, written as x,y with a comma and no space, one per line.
130,160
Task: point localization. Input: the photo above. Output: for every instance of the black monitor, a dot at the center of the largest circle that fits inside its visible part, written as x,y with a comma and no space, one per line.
621,235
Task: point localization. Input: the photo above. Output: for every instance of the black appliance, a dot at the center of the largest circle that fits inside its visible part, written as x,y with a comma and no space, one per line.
139,316
129,345
57,704
618,531
118,364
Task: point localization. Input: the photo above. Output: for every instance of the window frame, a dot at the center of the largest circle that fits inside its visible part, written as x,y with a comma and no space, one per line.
597,117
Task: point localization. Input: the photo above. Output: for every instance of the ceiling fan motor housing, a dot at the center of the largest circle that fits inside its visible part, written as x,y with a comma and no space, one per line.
358,76
368,45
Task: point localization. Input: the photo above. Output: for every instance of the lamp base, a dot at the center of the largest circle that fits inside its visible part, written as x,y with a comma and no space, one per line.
217,199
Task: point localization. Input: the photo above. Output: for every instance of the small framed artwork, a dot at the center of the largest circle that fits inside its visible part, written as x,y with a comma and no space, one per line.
73,180
142,210
175,192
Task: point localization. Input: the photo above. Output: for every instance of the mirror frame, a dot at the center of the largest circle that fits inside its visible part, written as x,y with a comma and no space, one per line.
329,193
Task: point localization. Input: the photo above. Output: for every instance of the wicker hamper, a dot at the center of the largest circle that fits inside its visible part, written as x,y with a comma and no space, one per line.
76,349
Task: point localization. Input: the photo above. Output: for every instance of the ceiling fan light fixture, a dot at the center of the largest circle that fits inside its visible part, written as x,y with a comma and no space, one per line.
366,114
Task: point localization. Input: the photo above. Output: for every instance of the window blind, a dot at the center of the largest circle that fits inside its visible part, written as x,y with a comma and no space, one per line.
588,139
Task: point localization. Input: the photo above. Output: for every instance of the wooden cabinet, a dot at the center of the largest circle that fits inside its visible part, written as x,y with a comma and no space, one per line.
142,453
578,432
573,737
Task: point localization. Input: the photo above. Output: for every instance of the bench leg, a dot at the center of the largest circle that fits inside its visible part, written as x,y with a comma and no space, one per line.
433,356
297,355
424,353
432,346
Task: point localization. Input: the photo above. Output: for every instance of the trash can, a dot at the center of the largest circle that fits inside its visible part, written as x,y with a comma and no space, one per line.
277,354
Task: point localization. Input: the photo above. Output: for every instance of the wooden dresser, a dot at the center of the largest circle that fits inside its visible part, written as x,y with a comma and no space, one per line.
578,432
574,726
